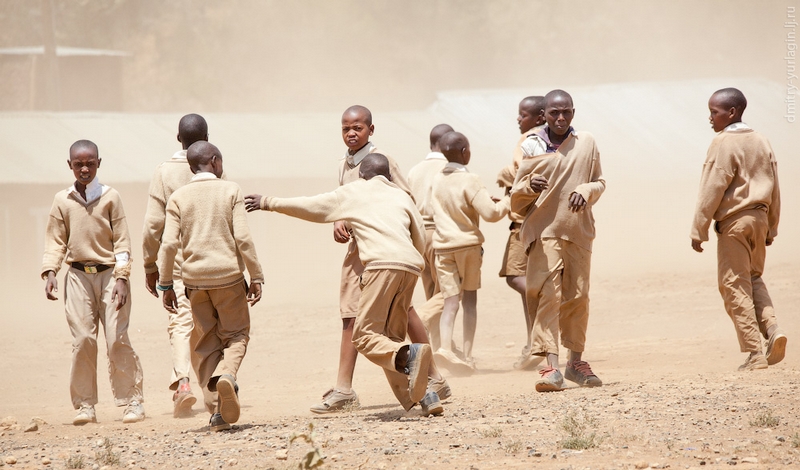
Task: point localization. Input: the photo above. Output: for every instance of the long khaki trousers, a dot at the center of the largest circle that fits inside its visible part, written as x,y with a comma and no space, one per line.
430,280
180,333
87,302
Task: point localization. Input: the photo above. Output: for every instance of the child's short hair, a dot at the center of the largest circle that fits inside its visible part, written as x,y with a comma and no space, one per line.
732,98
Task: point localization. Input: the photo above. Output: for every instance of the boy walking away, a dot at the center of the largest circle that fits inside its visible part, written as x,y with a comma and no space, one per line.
206,220
739,191
459,201
556,189
530,118
169,176
391,239
87,229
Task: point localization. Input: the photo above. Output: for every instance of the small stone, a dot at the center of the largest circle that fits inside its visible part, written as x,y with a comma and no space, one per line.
749,460
781,438
641,464
11,460
282,454
232,462
32,427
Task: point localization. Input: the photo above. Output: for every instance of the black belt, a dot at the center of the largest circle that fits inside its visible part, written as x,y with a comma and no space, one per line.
93,269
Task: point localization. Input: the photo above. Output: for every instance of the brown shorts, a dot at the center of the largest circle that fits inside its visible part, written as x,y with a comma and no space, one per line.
459,269
515,260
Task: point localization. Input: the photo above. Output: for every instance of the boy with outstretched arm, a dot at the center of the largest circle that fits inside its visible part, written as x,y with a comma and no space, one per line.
391,239
206,220
169,176
459,202
87,229
739,191
557,189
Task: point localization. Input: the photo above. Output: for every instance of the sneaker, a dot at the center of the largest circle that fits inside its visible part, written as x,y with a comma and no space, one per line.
419,360
85,415
580,373
134,412
336,400
431,405
526,359
228,393
183,401
452,362
216,423
441,387
776,347
754,362
551,381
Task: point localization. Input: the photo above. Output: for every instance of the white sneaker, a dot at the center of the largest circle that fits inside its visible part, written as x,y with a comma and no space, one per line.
134,412
85,415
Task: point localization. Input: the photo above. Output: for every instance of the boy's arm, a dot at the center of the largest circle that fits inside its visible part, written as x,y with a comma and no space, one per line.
55,241
398,178
244,242
592,190
522,194
485,206
774,213
154,219
713,183
320,209
417,230
170,242
121,238
505,179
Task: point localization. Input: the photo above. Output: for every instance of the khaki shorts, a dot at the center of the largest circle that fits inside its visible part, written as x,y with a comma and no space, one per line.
459,269
350,286
515,260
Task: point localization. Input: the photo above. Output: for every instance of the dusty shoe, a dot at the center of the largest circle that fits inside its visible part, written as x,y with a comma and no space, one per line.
580,373
526,359
134,412
431,405
182,401
85,415
335,400
228,393
776,347
452,362
441,387
419,361
551,381
754,362
216,423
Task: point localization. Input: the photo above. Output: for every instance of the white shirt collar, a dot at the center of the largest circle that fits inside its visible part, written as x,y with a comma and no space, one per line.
736,126
457,166
355,159
180,156
93,191
204,175
436,156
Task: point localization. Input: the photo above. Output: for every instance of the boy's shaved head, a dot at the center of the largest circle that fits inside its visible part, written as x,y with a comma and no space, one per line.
731,98
192,128
557,96
437,132
365,113
374,164
200,153
454,145
532,104
84,144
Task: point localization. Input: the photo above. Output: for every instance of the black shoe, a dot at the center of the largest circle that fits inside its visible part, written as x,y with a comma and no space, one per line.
216,423
419,361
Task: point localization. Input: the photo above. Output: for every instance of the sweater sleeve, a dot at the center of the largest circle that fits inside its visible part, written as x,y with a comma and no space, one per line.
592,190
489,210
55,242
321,208
121,238
522,195
170,242
244,242
713,183
417,231
154,219
774,213
398,178
505,179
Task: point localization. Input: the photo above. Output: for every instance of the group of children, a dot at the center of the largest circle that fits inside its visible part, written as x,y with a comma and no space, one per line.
197,246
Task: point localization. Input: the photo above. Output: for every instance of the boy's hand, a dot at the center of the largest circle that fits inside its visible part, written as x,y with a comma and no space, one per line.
51,286
576,202
252,202
538,183
170,301
254,293
120,293
340,233
696,246
150,281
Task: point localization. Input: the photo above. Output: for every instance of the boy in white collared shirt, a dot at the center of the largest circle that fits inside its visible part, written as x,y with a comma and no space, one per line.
87,229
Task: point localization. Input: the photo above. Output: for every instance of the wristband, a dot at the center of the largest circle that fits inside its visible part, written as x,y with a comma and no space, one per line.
161,288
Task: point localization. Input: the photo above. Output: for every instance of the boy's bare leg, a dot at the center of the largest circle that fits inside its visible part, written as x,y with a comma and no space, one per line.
518,284
347,357
470,304
418,334
448,322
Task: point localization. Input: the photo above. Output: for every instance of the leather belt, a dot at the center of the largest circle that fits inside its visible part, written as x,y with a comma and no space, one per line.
90,269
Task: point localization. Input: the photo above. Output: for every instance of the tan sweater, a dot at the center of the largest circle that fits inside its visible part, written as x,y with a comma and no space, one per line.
206,218
459,201
349,173
573,168
420,179
740,173
168,177
386,224
93,233
506,177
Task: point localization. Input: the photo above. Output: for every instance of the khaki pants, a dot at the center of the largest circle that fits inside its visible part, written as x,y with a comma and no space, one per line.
180,333
430,280
382,322
557,291
741,250
87,302
221,333
349,289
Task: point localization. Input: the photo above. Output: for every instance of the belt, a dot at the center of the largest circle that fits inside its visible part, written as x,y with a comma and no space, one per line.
90,269
515,226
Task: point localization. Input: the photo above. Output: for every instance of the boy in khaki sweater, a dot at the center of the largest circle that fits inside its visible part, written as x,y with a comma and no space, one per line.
459,202
206,220
87,229
169,176
391,239
556,189
739,190
530,118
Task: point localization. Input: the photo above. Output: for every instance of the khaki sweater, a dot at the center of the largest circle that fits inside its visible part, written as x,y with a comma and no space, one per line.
740,173
86,233
506,177
459,201
169,176
206,218
386,224
573,168
420,179
349,173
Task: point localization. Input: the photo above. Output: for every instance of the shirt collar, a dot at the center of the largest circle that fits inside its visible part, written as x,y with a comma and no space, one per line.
180,156
204,175
457,166
435,156
355,159
93,191
736,126
551,148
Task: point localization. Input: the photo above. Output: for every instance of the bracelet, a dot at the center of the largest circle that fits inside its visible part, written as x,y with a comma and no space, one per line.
161,288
